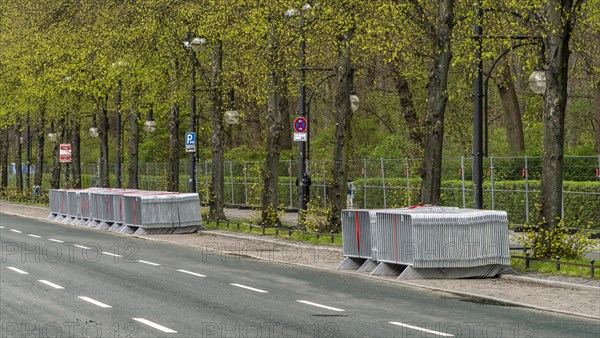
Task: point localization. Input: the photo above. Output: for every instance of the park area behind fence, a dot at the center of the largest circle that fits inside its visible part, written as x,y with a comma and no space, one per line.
511,184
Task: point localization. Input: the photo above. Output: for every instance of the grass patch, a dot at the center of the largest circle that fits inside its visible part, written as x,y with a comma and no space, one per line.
283,232
550,267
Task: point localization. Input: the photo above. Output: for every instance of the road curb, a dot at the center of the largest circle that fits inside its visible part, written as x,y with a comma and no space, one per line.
552,283
253,238
499,300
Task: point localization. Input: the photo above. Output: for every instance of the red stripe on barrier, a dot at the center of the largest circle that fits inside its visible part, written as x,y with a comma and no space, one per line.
395,239
134,213
120,209
357,234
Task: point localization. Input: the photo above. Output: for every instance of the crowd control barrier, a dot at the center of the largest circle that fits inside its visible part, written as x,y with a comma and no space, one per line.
127,211
427,242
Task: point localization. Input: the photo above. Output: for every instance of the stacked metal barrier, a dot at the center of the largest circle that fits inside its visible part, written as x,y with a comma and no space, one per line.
357,239
435,242
127,211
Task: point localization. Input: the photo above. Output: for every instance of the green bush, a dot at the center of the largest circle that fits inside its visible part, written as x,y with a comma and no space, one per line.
556,243
10,194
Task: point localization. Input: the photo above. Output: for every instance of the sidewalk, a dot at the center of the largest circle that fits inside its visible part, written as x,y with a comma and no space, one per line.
561,294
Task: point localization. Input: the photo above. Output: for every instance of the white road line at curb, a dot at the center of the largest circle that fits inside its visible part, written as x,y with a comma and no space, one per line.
149,263
17,270
422,329
34,236
111,254
191,273
154,325
81,246
56,286
93,301
321,306
17,231
248,288
55,240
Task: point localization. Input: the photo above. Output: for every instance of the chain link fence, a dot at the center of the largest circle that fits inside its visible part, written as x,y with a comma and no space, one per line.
510,183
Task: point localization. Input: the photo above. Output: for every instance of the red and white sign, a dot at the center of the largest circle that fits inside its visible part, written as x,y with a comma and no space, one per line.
300,125
300,129
65,152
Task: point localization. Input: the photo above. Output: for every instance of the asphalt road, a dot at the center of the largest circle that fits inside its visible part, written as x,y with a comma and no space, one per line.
63,281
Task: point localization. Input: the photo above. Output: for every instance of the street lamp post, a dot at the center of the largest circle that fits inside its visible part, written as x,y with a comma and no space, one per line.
303,177
478,116
193,44
537,84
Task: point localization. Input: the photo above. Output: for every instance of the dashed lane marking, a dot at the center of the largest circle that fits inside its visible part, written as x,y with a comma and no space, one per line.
320,305
248,288
95,302
56,286
154,325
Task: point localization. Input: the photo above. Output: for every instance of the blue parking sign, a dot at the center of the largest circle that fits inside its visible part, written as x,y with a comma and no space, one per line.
190,138
190,142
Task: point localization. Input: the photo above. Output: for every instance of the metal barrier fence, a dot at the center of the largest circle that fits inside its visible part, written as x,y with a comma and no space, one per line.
127,211
426,242
510,184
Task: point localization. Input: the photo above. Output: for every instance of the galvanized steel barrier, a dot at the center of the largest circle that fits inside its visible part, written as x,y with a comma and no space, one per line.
426,242
127,211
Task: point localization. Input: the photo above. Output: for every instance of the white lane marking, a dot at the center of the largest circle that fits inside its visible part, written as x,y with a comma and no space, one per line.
154,325
55,240
422,329
322,306
17,270
192,273
111,254
149,263
17,231
34,236
1,227
93,301
81,246
248,288
56,286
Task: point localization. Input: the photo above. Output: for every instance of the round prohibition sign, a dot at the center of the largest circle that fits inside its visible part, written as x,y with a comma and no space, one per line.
300,125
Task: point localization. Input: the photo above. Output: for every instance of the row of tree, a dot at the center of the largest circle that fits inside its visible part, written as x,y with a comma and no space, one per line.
64,63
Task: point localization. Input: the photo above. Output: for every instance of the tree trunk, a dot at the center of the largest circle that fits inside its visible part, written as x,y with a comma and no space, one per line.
286,117
437,96
596,121
103,136
76,151
4,156
270,199
173,155
133,168
18,156
512,111
407,107
343,118
217,186
27,140
559,16
55,180
39,154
